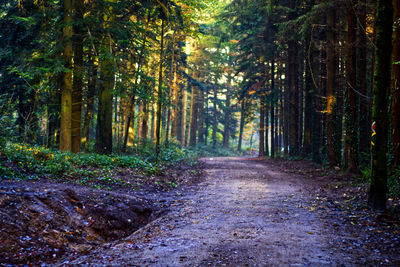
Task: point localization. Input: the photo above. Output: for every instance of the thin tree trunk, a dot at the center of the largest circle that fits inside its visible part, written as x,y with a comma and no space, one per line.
316,102
183,122
215,123
242,118
145,119
364,129
227,115
300,119
77,80
91,90
201,118
308,98
262,131
294,94
330,86
396,86
266,112
286,115
193,116
272,108
159,93
351,149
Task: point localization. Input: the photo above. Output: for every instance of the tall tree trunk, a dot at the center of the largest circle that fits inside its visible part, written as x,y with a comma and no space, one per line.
54,111
201,118
171,95
308,98
294,94
215,122
396,85
66,91
241,127
183,122
286,115
331,85
77,79
262,131
384,30
159,93
364,129
227,115
153,121
266,112
106,86
175,101
351,149
145,118
272,108
91,90
316,101
277,130
193,116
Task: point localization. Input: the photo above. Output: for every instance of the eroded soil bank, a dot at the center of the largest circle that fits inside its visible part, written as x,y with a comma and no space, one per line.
45,220
249,212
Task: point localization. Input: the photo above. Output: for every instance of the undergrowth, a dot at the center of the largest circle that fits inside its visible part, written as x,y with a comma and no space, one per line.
393,182
22,161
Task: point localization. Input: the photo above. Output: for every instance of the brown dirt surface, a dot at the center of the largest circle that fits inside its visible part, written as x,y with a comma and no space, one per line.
43,220
251,212
241,212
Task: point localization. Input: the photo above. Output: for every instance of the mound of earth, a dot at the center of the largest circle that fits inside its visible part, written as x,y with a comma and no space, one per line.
40,222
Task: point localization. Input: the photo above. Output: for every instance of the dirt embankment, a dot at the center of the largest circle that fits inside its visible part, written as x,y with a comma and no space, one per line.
43,222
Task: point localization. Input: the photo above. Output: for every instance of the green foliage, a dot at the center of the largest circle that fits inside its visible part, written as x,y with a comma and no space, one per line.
23,161
394,183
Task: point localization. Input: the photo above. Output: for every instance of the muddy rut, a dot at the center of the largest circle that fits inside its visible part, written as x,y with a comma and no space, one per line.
244,213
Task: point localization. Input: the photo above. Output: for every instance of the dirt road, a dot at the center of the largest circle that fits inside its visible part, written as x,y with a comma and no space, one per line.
244,213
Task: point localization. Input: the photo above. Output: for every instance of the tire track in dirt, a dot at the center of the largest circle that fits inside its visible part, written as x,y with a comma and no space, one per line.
244,214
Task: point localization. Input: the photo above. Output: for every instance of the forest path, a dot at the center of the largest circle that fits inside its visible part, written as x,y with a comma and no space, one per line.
244,213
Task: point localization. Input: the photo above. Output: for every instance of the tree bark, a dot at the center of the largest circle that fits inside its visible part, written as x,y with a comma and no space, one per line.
396,85
294,94
106,86
77,79
351,149
183,123
201,118
330,86
66,91
266,112
215,122
159,93
193,117
261,148
227,114
272,108
365,126
241,127
91,90
308,98
384,30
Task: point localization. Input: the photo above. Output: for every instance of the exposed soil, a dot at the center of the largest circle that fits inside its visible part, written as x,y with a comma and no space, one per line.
41,221
244,212
254,213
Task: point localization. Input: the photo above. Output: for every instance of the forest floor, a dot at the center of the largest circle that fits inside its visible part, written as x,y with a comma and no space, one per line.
241,212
